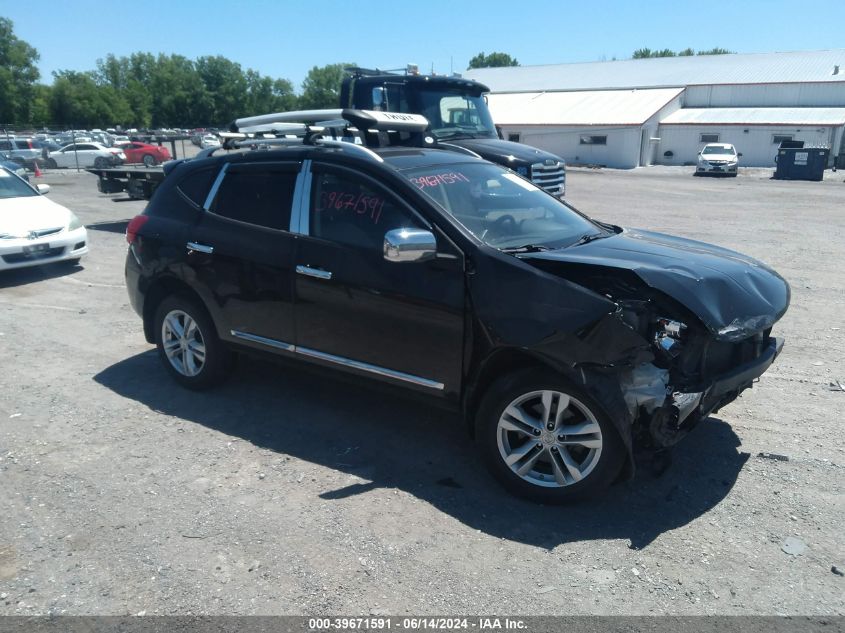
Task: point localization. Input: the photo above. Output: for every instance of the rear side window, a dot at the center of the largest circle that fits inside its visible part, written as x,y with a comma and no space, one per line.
260,195
195,185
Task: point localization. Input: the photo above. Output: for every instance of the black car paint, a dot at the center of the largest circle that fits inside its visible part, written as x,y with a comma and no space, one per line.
507,153
483,307
732,294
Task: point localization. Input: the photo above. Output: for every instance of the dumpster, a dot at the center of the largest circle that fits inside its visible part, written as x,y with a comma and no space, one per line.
801,163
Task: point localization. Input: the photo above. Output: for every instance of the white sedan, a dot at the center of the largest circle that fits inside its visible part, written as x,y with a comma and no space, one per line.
35,230
209,141
717,159
86,155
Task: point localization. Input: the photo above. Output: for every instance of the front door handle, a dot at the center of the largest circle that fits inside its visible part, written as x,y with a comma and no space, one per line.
313,272
199,248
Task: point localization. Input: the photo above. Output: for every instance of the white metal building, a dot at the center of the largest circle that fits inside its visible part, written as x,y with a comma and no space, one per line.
645,111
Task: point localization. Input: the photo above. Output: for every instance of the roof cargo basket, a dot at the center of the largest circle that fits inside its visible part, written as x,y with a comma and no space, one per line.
374,129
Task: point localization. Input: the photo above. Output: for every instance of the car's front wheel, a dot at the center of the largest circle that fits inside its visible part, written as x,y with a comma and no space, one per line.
52,164
546,439
188,345
149,160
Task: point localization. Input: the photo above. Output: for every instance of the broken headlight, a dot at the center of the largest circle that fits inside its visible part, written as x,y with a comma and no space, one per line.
668,335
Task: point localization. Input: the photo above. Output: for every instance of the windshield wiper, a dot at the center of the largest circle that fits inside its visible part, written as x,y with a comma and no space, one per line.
589,237
526,248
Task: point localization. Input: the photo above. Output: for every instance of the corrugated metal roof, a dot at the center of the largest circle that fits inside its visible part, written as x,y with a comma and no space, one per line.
664,72
756,116
599,107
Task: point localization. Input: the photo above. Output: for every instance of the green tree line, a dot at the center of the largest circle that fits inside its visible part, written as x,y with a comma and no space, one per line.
147,90
644,53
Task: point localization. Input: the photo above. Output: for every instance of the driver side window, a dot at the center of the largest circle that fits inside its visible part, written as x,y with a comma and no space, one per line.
346,209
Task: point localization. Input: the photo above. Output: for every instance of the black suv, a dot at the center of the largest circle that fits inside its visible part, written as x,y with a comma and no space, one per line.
562,339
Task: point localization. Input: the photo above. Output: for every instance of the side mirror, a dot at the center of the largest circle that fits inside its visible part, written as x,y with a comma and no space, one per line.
409,245
42,188
739,155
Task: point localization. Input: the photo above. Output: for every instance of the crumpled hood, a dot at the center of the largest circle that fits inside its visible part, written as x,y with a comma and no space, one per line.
734,295
19,216
499,151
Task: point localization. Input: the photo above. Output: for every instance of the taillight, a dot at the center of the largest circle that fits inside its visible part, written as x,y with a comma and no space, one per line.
134,226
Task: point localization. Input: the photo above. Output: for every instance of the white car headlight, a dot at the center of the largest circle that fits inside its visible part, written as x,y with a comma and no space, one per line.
75,222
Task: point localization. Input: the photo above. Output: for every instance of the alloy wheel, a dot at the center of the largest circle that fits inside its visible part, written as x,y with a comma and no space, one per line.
549,439
183,343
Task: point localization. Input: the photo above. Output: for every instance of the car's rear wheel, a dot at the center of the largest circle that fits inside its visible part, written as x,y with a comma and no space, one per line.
546,439
100,162
188,345
149,160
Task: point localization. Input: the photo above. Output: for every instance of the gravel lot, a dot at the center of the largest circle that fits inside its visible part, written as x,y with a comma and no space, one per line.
281,493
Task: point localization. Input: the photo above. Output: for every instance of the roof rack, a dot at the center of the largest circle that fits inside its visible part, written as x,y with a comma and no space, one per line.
353,130
375,129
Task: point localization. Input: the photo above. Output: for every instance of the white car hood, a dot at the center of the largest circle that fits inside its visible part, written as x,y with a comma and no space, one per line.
19,216
727,157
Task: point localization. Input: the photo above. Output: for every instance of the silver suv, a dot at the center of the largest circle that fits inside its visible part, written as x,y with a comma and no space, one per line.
24,151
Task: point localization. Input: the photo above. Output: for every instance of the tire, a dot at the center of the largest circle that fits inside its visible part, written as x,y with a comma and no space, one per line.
100,162
52,164
150,160
198,360
556,469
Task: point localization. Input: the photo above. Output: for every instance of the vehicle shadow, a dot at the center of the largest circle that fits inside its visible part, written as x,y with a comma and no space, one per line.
34,274
393,442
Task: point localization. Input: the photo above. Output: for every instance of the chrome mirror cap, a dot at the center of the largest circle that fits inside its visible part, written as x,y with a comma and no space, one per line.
42,188
409,245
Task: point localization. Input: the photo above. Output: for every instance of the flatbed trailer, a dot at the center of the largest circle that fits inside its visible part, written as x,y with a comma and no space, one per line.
138,182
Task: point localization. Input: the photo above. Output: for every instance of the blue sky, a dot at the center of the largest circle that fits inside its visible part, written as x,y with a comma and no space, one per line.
285,38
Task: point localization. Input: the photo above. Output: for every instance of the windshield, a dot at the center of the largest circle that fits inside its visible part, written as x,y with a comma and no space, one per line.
13,187
501,208
715,149
455,113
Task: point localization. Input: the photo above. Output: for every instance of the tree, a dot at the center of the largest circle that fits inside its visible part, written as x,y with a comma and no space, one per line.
493,60
226,86
18,74
321,88
78,100
646,53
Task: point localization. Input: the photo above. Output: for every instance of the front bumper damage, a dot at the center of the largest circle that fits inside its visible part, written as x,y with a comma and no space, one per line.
668,415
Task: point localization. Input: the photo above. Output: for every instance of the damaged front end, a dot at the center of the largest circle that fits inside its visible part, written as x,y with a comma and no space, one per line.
671,369
692,376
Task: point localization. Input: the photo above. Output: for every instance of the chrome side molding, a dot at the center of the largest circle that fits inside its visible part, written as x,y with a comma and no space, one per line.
263,340
313,272
200,248
340,360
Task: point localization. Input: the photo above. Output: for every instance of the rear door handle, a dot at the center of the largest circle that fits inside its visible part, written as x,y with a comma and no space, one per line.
313,272
199,248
